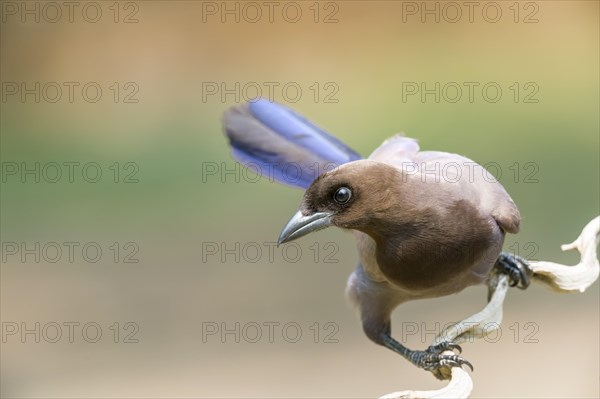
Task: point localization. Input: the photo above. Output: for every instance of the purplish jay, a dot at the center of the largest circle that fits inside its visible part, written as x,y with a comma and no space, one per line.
427,223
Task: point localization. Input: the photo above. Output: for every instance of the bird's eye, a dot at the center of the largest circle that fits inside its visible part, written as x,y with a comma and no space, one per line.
342,195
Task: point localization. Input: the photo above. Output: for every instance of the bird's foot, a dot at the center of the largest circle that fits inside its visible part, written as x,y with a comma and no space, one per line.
516,268
444,346
432,358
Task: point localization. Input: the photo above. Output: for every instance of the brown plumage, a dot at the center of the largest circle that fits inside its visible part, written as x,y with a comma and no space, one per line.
419,235
427,224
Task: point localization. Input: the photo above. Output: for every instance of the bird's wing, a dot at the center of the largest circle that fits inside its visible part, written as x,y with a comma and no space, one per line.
272,138
458,176
398,150
470,181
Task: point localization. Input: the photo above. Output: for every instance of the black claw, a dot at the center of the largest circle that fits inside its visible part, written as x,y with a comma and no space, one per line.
467,363
516,268
454,346
432,358
444,346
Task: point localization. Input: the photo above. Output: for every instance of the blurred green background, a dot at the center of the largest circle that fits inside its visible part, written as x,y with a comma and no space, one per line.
361,55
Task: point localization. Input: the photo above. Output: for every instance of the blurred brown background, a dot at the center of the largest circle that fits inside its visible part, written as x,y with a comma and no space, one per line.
201,231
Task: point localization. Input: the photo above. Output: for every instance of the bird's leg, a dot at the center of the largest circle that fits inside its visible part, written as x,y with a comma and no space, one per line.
516,268
430,359
376,302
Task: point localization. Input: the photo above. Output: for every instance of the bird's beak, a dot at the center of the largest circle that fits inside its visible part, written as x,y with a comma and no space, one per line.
300,225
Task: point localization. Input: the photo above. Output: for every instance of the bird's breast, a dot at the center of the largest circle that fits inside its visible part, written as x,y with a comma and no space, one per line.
441,252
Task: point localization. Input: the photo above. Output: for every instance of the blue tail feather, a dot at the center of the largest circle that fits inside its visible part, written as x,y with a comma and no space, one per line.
282,144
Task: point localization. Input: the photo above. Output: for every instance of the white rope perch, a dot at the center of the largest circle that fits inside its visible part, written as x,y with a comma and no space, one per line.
561,278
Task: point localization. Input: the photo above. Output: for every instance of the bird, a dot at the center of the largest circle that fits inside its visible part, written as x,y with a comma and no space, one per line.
427,224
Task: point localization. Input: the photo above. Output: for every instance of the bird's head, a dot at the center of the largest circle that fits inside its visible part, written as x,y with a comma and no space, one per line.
350,196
